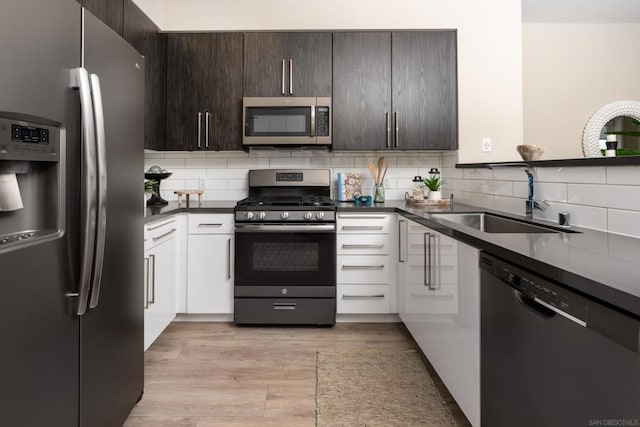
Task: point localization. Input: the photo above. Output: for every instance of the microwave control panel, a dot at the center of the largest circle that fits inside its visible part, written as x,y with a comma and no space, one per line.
21,140
322,121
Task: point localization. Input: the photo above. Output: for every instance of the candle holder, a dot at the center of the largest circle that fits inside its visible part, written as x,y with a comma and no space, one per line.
155,199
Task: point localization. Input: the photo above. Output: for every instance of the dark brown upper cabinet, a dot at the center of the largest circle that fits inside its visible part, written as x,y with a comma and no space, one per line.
204,91
395,90
144,36
108,11
361,91
287,64
425,94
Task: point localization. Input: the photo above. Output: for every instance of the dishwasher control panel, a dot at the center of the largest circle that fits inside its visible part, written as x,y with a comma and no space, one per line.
543,290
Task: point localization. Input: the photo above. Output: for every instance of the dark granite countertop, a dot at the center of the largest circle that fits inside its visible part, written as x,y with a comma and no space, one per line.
602,265
208,206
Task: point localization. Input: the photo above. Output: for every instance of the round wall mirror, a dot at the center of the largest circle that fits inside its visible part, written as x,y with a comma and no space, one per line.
619,118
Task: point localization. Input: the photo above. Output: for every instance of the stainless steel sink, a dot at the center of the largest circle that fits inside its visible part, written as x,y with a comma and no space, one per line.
490,223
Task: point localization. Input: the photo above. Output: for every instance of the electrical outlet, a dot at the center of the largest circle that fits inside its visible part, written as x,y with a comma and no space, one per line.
201,183
486,145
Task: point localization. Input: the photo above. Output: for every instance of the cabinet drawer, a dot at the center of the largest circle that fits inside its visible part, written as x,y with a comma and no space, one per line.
364,223
363,299
363,244
211,223
159,231
363,269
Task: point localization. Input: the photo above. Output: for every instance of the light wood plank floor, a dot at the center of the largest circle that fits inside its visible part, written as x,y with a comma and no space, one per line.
219,374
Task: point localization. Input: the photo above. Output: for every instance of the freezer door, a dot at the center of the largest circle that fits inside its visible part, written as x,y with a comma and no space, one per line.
39,45
112,330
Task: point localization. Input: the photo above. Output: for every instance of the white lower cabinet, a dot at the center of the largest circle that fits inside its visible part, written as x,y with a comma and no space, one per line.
210,264
440,306
160,277
366,273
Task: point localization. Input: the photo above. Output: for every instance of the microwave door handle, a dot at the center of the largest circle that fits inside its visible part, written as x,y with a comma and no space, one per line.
313,121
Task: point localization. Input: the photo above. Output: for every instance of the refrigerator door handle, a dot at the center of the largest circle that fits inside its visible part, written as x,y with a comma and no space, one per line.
101,154
80,79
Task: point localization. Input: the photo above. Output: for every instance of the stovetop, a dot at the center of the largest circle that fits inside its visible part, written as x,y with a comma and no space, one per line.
286,202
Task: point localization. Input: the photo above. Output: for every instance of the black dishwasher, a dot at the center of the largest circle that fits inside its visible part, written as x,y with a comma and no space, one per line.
552,357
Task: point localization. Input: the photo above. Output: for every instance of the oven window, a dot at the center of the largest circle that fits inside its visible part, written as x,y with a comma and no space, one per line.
286,256
291,258
286,121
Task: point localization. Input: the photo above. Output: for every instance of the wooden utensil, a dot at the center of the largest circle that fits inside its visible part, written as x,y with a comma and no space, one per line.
372,169
384,174
380,165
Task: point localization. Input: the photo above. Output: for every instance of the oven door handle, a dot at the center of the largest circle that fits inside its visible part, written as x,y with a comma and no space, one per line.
277,228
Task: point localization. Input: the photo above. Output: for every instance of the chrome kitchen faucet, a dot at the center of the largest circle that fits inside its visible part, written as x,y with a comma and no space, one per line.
531,202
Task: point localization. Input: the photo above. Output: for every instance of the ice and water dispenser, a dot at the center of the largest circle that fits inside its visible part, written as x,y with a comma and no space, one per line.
31,176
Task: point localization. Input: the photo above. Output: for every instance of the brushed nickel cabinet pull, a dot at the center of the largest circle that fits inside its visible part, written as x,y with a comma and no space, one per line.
363,267
164,234
362,227
155,227
199,129
345,296
348,246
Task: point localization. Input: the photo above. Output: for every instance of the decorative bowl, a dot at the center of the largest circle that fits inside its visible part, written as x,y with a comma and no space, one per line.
530,152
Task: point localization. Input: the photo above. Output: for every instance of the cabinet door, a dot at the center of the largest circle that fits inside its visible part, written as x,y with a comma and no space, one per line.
362,91
424,90
210,279
287,64
204,76
108,11
159,289
144,36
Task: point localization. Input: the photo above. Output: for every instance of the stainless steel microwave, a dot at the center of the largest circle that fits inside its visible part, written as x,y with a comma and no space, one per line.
282,121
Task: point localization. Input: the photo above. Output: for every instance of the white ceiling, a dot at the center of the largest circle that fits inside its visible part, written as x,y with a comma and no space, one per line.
581,11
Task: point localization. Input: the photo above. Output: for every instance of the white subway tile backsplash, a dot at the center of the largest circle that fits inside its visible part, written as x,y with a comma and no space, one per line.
550,192
608,196
168,164
248,163
228,173
596,197
587,175
188,173
624,222
290,162
216,184
207,162
509,204
623,175
478,173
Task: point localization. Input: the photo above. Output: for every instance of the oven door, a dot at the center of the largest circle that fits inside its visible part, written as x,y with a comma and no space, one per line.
285,255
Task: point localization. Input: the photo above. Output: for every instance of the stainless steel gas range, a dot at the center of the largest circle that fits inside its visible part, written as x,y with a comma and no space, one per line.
285,249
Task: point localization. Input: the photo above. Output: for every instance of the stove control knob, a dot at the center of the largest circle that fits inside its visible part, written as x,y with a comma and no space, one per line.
248,215
308,216
284,215
320,215
262,215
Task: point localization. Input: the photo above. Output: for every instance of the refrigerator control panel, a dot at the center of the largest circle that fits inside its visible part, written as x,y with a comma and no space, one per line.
21,140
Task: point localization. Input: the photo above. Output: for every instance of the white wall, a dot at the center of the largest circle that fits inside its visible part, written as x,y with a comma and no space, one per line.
570,71
489,48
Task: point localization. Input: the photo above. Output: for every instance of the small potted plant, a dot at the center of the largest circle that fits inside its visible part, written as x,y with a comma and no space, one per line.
434,184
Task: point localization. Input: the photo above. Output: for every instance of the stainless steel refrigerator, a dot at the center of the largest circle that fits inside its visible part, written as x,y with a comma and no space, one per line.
71,218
